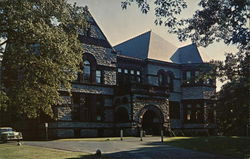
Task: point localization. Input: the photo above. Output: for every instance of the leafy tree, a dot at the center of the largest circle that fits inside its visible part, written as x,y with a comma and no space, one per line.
233,98
42,53
215,21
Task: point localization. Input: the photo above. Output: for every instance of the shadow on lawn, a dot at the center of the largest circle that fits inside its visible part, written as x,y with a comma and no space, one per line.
91,157
158,150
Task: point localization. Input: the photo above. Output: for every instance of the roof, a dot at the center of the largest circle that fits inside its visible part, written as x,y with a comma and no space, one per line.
147,46
187,54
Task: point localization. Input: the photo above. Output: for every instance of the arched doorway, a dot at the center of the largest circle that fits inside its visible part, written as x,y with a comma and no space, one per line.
151,120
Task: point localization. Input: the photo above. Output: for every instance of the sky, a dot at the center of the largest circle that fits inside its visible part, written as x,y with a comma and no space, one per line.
120,25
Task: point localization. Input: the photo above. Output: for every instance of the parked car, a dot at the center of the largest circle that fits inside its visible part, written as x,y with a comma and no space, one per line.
9,134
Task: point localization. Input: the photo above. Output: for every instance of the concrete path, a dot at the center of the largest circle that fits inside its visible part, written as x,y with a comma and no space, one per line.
131,148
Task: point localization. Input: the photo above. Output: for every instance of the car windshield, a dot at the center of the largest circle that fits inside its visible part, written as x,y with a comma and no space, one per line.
5,129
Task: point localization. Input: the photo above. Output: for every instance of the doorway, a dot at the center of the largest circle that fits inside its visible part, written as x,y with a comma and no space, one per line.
151,123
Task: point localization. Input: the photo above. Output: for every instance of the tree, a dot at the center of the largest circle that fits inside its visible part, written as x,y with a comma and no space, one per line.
42,53
215,21
233,98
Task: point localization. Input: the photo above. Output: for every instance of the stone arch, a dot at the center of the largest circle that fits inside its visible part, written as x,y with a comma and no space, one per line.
153,108
151,119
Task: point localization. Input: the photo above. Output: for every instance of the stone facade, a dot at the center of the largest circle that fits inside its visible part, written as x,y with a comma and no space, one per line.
116,92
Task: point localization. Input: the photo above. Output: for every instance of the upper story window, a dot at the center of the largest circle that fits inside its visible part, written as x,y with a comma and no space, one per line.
132,72
119,70
188,75
138,73
166,79
98,77
86,71
160,79
196,73
126,71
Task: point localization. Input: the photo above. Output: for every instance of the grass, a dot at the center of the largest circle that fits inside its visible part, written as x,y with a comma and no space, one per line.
230,146
11,151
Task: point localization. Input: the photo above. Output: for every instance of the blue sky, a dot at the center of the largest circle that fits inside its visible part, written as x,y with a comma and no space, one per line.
119,25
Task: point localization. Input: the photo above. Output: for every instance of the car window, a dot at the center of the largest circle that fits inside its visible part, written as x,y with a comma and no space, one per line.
5,130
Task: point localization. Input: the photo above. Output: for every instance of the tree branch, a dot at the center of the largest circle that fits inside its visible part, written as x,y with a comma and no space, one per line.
3,42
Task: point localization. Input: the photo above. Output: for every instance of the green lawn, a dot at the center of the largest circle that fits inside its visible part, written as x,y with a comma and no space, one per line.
12,151
231,146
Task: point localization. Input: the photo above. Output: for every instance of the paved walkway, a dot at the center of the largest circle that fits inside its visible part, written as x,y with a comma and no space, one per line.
131,148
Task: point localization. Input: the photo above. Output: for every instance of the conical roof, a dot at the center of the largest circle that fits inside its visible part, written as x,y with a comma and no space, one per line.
147,46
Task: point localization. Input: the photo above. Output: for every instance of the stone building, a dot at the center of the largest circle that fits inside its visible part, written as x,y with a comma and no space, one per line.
144,83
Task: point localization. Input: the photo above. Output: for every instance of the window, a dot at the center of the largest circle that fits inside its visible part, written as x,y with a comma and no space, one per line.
126,71
138,73
119,70
99,108
196,73
188,112
132,72
86,71
188,75
188,115
98,78
160,79
138,79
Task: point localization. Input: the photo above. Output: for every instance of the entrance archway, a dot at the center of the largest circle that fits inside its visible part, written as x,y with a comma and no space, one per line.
151,120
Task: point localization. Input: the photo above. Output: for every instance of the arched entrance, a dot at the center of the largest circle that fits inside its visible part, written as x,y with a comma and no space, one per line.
151,120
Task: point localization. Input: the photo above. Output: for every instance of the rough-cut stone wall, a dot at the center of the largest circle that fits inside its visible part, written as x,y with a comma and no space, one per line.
96,33
103,56
139,104
109,77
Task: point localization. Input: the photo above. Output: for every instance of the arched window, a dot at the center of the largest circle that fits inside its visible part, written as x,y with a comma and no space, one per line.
169,80
86,71
160,79
166,79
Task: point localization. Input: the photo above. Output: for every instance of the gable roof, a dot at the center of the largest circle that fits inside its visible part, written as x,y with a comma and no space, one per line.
187,54
147,46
